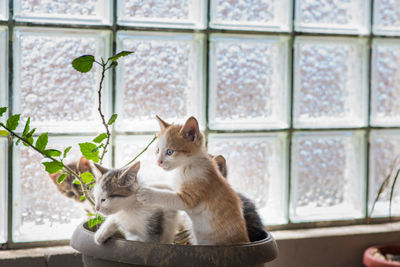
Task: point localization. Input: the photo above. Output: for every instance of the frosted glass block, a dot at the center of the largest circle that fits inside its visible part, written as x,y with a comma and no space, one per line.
328,176
129,146
3,67
40,211
3,189
384,153
258,15
91,12
3,10
164,76
248,82
47,88
189,14
386,17
257,168
385,82
330,86
334,16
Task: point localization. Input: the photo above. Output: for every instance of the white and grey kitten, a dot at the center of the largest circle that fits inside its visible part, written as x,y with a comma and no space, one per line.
115,196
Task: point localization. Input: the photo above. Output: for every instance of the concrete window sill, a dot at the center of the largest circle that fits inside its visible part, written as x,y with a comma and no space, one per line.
328,247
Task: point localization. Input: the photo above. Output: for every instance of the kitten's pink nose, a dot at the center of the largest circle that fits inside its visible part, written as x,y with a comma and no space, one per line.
97,208
160,162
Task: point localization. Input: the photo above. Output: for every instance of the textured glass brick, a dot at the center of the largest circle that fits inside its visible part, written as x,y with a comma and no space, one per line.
47,88
330,86
248,82
333,16
328,180
3,67
40,211
384,154
61,11
3,189
256,168
127,147
385,83
262,15
386,17
3,10
164,76
190,14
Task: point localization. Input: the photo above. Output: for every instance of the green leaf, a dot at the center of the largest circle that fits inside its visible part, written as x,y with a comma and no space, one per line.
87,177
52,152
95,221
30,134
119,55
76,181
12,122
82,198
98,147
66,151
42,141
26,129
3,133
100,138
61,178
3,110
53,166
87,150
112,119
30,140
83,63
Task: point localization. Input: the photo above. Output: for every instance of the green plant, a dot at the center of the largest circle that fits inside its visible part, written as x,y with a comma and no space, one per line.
94,150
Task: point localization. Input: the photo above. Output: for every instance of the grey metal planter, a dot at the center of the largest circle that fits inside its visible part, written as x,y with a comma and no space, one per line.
122,253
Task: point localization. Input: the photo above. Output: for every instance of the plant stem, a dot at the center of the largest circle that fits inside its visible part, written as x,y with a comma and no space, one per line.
138,155
68,169
102,115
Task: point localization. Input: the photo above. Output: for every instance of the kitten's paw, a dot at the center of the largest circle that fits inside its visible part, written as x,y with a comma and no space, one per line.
146,196
100,237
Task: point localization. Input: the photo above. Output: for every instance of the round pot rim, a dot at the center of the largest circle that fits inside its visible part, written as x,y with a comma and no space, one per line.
367,257
155,254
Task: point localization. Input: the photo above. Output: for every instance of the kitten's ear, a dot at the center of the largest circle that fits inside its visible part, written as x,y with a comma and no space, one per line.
221,163
54,177
84,165
163,124
101,168
190,131
129,175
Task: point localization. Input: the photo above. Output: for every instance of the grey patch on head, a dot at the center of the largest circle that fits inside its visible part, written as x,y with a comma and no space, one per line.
110,184
155,226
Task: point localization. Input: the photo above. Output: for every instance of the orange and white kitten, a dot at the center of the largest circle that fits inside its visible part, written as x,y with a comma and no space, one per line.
213,206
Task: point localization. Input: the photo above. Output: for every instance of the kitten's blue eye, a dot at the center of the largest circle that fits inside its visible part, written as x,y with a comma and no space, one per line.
170,152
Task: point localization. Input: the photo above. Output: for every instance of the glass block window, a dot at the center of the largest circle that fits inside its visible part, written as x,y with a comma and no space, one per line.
157,13
48,89
256,167
330,82
386,17
384,151
66,12
248,82
336,16
3,10
327,176
3,189
259,15
385,79
300,96
163,77
3,66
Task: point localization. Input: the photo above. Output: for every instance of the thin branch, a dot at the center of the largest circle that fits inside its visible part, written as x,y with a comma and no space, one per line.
68,169
138,155
103,120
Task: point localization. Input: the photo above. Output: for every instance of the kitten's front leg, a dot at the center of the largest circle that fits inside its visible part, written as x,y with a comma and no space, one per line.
161,198
106,230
